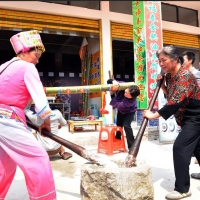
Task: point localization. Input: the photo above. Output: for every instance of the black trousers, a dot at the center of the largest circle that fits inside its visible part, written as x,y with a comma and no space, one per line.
187,142
124,120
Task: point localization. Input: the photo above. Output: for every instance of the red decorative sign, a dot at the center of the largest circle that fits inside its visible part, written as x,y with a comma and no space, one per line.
153,24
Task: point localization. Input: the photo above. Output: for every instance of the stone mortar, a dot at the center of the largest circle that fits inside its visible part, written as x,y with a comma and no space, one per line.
115,182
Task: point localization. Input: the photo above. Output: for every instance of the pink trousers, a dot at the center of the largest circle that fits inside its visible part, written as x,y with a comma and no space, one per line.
18,147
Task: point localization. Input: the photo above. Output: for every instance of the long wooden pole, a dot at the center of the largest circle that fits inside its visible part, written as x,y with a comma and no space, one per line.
85,88
132,154
74,147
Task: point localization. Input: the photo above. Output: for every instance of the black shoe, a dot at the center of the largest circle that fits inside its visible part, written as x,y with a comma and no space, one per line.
195,175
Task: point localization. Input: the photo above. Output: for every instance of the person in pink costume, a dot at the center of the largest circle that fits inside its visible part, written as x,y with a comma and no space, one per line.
20,82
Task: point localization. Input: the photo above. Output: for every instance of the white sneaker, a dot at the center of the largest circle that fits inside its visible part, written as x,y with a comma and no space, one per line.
177,195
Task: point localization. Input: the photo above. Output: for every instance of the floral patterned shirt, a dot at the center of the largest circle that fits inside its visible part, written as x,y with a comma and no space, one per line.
183,96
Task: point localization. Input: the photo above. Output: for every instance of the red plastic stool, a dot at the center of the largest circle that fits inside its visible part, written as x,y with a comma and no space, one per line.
111,144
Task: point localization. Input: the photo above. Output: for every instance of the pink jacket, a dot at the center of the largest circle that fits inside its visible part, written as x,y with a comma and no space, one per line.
18,84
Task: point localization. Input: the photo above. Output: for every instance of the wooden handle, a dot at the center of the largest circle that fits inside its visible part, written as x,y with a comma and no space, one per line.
136,144
74,147
110,75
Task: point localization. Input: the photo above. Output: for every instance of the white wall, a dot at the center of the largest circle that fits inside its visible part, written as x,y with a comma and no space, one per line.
180,28
103,14
93,45
51,8
64,10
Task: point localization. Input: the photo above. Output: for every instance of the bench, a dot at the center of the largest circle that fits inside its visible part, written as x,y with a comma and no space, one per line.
72,123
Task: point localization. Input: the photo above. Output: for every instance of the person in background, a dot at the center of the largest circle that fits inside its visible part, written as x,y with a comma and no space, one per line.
183,96
20,82
188,61
57,121
125,102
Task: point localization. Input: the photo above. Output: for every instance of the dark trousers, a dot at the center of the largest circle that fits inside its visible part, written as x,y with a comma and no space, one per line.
124,120
187,142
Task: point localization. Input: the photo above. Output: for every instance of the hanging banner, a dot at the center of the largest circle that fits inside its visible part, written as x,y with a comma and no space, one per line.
94,77
147,32
154,42
82,53
147,37
82,50
139,42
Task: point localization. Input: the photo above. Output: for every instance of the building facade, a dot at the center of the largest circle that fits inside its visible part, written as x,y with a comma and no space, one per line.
108,28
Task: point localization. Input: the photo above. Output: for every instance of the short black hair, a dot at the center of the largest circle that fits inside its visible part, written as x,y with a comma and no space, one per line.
53,107
190,55
134,91
109,81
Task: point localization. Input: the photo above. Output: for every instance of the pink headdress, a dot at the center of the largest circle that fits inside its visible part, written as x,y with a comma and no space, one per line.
26,40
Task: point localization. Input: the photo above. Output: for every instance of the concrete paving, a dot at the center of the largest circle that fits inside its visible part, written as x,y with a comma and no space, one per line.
67,172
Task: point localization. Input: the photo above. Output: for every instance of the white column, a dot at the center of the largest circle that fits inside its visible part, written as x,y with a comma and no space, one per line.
107,54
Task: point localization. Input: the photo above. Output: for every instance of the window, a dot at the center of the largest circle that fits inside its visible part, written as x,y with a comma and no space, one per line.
169,13
187,16
57,2
178,14
85,4
121,7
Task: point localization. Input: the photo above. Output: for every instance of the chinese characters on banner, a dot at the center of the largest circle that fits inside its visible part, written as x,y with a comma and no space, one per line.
94,77
147,32
140,52
147,41
153,44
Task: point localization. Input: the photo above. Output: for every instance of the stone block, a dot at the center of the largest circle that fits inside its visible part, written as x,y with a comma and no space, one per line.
116,182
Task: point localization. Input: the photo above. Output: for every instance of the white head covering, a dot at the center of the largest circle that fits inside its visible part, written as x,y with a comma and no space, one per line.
26,40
